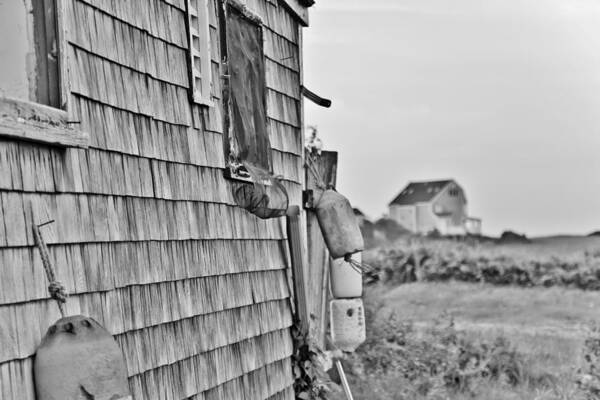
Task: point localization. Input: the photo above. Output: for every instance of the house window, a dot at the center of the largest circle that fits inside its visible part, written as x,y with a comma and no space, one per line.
244,91
199,51
33,94
29,51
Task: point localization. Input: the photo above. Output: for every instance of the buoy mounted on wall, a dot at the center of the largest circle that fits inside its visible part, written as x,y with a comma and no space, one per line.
347,323
78,358
339,225
345,279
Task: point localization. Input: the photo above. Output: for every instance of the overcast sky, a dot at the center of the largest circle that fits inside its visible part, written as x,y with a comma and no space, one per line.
502,95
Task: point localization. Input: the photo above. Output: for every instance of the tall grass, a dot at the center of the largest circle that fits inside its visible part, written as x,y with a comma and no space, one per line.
404,360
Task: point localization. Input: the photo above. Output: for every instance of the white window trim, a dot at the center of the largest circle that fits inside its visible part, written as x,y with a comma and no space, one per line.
200,63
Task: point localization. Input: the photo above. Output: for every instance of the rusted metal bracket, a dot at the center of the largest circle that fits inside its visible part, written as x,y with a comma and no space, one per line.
308,199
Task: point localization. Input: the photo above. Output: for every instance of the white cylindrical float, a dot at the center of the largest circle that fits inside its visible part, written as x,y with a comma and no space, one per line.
338,224
347,323
345,279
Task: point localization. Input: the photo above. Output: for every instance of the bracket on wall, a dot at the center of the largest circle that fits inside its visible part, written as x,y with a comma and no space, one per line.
315,98
308,199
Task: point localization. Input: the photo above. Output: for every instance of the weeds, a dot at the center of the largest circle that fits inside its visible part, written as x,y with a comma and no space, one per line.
588,377
404,360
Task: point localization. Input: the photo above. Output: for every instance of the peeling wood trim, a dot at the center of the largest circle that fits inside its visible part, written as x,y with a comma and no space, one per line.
29,121
245,11
298,9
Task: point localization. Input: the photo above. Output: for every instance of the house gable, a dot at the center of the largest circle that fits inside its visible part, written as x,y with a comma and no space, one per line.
420,192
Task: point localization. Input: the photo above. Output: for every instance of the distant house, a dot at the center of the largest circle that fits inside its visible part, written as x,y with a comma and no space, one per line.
423,207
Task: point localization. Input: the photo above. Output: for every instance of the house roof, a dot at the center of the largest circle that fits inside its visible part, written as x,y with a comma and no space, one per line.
419,192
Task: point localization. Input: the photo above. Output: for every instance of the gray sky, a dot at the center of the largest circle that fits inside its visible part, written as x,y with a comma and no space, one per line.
502,95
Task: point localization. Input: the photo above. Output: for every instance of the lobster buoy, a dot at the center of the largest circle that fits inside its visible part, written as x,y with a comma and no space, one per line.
347,323
79,359
339,225
346,279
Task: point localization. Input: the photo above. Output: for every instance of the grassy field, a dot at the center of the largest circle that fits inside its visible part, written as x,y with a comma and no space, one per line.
535,334
546,327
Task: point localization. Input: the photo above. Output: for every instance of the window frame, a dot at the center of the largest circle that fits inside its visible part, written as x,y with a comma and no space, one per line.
30,120
46,47
199,52
234,170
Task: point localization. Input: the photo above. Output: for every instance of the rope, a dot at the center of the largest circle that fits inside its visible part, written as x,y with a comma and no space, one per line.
56,289
360,267
312,167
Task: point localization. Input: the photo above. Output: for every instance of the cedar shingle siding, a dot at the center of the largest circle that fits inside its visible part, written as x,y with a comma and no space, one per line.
147,238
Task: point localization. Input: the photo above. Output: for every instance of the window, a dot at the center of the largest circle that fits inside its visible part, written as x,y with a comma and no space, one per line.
244,91
199,51
32,94
29,51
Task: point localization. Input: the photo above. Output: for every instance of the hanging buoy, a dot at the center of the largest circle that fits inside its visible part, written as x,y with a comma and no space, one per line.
347,323
338,224
345,278
79,359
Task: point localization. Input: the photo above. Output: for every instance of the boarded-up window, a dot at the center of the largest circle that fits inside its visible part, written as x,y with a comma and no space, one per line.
247,139
199,49
29,51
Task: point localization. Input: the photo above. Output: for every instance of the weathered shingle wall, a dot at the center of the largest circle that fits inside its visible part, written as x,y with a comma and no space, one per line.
147,237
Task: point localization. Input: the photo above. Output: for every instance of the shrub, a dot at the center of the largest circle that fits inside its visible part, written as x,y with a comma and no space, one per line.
443,260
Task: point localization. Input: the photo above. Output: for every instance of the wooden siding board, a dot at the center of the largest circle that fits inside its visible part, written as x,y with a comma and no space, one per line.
143,94
156,17
232,326
5,170
2,229
286,394
17,380
14,218
282,79
279,20
283,108
280,50
269,380
211,370
12,158
285,138
105,266
141,306
191,373
288,165
134,134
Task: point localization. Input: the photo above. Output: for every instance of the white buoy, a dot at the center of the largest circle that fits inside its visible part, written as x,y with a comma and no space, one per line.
347,323
346,280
